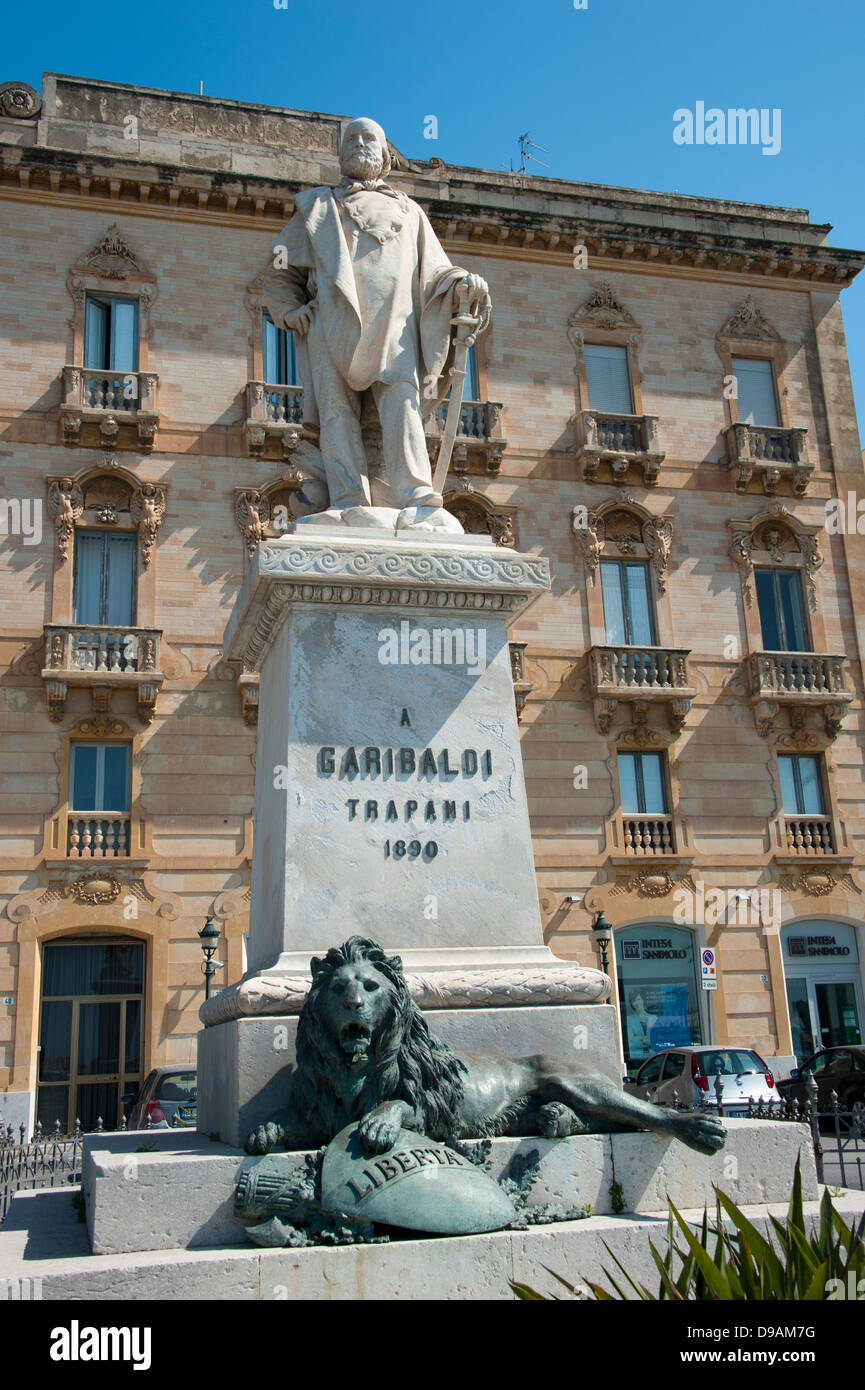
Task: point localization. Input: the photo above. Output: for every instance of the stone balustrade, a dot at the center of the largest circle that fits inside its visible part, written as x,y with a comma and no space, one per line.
648,834
810,834
98,835
772,452
476,434
273,412
103,659
802,680
640,676
619,441
108,400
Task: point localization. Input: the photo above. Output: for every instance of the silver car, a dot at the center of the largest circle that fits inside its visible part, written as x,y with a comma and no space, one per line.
685,1076
168,1097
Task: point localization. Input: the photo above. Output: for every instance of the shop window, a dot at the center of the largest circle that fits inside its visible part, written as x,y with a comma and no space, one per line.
629,619
111,333
756,397
608,379
659,999
781,605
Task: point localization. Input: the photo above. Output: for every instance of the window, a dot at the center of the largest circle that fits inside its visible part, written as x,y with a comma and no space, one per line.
99,777
642,784
608,379
471,381
675,1065
651,1071
105,578
279,356
628,616
756,401
782,610
801,785
111,333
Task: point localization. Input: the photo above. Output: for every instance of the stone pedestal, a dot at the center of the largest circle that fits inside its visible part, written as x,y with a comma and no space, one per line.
390,800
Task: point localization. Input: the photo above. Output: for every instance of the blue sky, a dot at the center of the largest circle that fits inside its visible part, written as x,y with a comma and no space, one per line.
596,86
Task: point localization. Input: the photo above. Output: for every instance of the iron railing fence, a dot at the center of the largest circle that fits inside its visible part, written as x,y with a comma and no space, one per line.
844,1130
47,1159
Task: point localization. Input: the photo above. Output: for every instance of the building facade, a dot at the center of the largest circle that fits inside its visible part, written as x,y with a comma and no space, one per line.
662,406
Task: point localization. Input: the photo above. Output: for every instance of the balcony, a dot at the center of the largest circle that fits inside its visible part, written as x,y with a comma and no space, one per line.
772,452
802,680
809,835
273,412
102,660
476,435
640,677
648,835
111,402
622,441
98,835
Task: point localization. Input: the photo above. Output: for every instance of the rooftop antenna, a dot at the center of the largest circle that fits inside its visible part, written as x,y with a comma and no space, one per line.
526,146
201,88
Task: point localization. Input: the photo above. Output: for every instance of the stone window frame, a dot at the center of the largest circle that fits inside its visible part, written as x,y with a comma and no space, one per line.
602,321
112,268
748,333
804,555
254,505
498,520
814,743
66,497
640,739
652,542
97,728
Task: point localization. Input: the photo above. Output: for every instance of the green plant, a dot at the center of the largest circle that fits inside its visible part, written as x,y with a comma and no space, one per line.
215,1137
745,1265
79,1207
617,1197
148,1147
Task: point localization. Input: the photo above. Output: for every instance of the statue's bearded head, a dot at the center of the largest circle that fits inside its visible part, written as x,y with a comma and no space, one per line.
364,154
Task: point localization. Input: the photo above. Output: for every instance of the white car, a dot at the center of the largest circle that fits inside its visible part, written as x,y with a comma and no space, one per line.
690,1073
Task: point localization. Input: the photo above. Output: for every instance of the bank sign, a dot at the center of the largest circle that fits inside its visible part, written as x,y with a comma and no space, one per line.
799,947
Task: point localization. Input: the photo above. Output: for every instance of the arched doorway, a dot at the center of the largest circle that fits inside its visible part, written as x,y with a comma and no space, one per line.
659,995
90,1030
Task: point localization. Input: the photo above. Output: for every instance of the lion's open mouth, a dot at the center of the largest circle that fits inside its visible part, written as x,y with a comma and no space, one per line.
354,1038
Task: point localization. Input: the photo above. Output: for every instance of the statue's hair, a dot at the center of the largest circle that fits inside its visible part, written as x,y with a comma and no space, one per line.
382,139
406,1061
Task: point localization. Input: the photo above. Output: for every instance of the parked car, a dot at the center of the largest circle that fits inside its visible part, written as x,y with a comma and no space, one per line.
168,1094
839,1069
691,1072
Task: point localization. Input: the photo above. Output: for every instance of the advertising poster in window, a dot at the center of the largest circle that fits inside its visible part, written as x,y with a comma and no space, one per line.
657,990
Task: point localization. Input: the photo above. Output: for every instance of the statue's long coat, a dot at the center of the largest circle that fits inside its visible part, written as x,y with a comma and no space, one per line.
383,295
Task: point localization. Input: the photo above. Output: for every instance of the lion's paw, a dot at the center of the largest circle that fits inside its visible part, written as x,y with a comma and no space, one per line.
377,1133
557,1121
264,1138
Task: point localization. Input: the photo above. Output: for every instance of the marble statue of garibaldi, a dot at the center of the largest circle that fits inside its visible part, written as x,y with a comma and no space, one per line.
363,283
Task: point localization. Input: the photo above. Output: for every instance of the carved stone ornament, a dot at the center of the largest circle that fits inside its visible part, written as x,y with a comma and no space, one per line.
653,883
147,509
111,257
658,540
252,513
478,516
623,524
65,507
749,322
93,889
19,102
817,883
451,989
601,310
778,532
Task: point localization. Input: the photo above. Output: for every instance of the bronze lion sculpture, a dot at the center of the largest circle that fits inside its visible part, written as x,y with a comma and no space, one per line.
365,1053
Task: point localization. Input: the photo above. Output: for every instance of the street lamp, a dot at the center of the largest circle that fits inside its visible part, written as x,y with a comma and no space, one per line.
603,935
209,936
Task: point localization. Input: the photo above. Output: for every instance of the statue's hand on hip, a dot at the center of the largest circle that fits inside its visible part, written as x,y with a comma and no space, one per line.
299,322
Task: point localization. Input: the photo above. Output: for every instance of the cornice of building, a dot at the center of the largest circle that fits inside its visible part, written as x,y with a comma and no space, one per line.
212,159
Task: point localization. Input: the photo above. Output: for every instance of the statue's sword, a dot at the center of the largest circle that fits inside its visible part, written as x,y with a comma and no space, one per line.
468,327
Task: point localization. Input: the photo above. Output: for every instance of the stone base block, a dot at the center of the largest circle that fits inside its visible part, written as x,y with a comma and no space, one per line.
243,1065
43,1241
179,1194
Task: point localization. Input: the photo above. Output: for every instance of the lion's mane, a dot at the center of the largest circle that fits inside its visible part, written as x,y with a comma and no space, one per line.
406,1061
